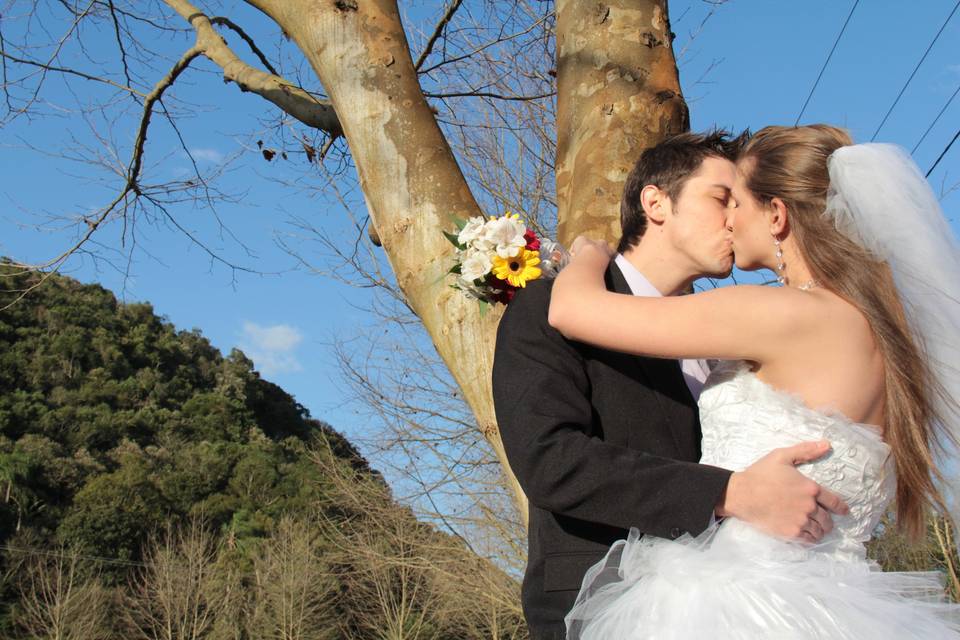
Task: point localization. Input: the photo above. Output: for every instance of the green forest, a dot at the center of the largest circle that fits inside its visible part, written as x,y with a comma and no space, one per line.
151,487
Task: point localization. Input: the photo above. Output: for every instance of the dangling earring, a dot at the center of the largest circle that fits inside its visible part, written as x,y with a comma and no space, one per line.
781,274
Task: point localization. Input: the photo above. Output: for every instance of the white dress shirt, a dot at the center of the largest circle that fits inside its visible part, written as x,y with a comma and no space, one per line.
694,371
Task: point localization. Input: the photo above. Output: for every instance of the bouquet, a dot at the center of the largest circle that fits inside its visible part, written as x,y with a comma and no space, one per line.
499,255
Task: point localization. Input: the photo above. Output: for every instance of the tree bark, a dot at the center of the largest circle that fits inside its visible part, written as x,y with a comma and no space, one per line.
618,93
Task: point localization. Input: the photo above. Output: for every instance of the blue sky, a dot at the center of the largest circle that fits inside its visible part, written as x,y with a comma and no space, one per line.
753,63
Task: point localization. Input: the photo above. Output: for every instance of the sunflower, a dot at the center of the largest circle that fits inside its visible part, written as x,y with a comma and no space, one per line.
519,269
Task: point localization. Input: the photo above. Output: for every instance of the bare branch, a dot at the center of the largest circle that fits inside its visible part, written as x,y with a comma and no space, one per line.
312,112
78,17
485,94
123,50
437,32
946,189
227,22
74,72
59,601
695,33
152,98
492,43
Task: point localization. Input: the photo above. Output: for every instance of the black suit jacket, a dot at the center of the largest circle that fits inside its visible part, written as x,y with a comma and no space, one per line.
600,442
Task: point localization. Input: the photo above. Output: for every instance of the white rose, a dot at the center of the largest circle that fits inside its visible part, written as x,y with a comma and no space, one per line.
471,230
476,265
505,235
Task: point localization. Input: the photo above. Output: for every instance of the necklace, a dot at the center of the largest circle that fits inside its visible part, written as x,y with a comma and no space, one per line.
809,284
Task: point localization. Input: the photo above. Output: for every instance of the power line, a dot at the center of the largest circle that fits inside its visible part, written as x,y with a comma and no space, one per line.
924,136
907,83
949,144
826,62
61,554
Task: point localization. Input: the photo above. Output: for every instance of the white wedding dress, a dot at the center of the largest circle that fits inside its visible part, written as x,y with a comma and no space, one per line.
733,581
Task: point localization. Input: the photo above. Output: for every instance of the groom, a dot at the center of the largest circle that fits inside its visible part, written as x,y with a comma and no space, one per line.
602,441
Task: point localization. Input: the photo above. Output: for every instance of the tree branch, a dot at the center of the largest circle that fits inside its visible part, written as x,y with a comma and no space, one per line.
485,94
230,24
290,98
441,26
497,41
123,51
152,98
74,72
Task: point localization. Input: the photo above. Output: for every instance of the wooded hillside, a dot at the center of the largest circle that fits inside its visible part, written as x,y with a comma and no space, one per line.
148,483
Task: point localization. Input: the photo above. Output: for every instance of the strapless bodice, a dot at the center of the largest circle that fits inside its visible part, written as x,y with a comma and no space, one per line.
744,418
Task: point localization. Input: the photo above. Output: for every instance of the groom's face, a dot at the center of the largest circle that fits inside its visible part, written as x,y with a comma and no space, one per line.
699,220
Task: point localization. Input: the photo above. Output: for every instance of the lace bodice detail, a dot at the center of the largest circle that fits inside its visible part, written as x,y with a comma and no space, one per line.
744,418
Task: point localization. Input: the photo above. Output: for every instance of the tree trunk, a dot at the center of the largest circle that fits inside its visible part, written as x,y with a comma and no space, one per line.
618,93
410,178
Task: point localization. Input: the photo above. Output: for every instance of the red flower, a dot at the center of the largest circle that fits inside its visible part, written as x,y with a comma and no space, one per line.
506,289
506,295
533,242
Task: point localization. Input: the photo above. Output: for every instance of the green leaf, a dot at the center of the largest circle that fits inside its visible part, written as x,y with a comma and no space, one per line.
460,222
457,269
484,306
453,240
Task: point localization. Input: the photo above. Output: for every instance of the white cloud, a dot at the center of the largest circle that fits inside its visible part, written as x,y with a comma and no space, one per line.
272,348
209,155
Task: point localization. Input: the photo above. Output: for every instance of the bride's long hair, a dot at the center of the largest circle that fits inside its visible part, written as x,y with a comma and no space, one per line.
790,163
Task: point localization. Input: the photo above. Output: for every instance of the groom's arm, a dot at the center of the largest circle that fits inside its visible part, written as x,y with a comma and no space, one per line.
541,393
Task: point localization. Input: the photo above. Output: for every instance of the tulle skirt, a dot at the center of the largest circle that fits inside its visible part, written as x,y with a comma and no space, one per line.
733,582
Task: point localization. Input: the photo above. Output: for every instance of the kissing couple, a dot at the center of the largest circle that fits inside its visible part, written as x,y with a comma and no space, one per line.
672,496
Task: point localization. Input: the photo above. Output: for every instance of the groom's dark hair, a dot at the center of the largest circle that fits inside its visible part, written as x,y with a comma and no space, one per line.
668,165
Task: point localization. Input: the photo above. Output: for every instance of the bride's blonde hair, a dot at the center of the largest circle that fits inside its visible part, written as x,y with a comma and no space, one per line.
790,163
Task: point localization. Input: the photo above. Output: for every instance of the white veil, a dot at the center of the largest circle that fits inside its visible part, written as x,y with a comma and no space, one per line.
880,200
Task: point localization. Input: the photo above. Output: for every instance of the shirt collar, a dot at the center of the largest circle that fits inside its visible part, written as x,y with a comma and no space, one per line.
638,283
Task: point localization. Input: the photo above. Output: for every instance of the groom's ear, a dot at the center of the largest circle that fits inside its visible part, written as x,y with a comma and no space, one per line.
655,203
778,216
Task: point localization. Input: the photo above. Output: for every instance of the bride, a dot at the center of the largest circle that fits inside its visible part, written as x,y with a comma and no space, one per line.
859,347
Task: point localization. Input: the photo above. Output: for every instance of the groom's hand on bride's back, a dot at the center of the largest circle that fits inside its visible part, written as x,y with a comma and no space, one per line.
773,496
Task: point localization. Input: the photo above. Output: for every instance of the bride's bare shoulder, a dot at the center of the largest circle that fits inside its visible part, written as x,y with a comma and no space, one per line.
816,311
780,301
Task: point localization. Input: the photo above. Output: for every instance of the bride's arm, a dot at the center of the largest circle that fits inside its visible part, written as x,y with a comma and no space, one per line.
741,322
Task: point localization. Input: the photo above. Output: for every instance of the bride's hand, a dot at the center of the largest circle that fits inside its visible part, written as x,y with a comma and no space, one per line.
584,246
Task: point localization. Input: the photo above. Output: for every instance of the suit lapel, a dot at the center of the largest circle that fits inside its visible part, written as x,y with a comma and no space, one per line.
666,371
615,280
